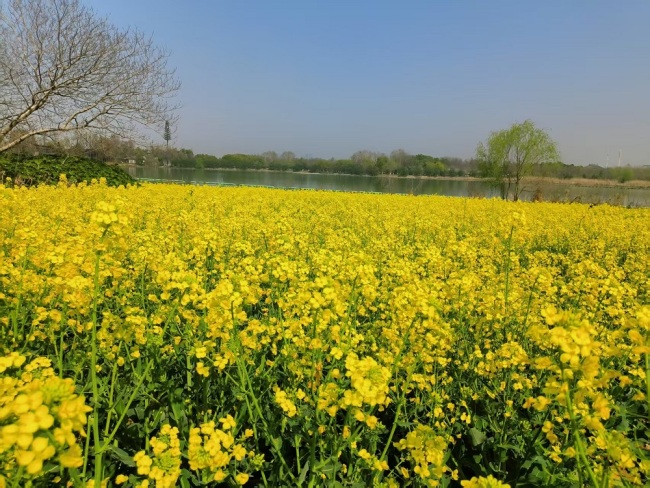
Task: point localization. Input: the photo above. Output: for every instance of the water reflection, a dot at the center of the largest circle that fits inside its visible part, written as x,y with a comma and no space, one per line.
635,197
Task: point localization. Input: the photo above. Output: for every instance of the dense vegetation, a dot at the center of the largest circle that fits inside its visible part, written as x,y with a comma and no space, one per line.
398,162
401,164
172,335
34,170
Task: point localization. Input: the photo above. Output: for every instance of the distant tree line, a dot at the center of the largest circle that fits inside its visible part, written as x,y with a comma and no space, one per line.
592,172
399,163
510,155
112,149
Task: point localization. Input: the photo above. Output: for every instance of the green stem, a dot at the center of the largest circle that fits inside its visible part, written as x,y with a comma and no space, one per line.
296,440
128,404
312,458
531,444
507,287
94,380
393,428
86,451
245,382
18,478
647,379
107,427
580,448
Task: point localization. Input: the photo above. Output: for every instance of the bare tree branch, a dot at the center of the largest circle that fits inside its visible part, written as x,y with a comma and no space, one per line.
63,68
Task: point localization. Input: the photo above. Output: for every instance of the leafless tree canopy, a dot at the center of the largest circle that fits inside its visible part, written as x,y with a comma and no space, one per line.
63,68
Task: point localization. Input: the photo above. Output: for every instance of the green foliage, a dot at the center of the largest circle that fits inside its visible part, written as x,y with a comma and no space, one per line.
31,171
622,175
243,161
592,172
511,154
404,165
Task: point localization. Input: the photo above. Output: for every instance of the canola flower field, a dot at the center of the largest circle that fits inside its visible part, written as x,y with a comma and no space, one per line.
164,335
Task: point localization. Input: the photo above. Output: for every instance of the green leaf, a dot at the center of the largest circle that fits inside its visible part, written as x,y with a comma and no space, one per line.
140,412
477,437
303,473
178,405
188,479
509,446
122,456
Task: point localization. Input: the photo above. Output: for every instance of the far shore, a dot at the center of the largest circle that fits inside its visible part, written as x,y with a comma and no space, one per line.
586,182
528,180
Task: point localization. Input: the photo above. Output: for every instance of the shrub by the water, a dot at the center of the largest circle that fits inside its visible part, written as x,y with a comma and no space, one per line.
34,170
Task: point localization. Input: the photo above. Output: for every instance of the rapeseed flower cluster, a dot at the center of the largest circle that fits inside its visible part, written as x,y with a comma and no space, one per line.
426,452
484,482
212,450
164,466
369,382
41,418
252,336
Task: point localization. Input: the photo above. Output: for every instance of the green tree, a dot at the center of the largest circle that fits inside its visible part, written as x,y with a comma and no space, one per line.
510,154
382,163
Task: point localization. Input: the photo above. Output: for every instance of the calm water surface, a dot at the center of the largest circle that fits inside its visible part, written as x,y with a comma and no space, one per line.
635,197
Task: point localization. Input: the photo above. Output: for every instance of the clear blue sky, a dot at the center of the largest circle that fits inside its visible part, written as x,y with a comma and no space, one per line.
326,78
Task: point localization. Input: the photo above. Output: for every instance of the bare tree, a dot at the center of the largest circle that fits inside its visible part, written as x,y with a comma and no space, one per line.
287,156
269,156
400,156
63,68
365,157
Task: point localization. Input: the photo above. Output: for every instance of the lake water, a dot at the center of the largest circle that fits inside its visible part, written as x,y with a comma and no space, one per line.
634,197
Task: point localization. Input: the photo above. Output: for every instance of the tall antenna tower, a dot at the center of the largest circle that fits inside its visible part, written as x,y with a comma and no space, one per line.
620,152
